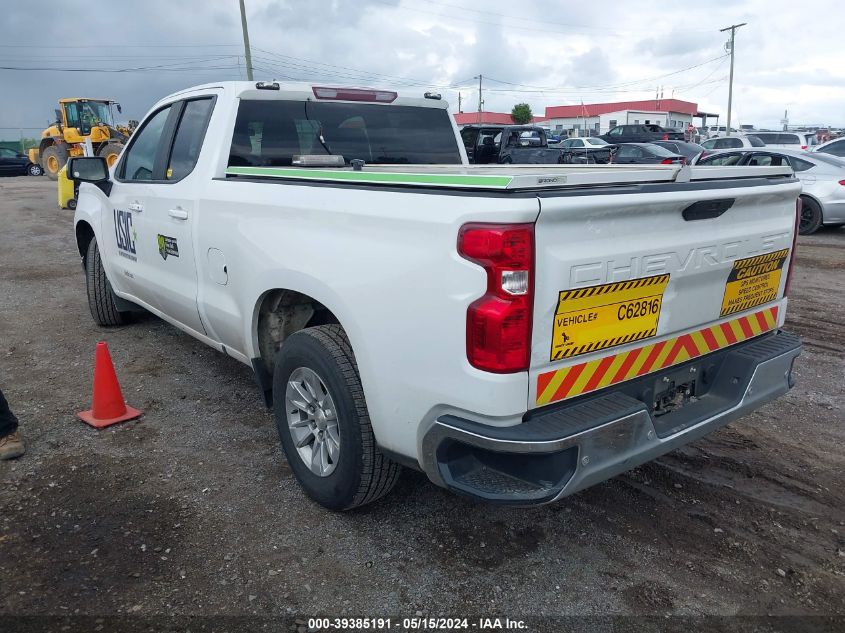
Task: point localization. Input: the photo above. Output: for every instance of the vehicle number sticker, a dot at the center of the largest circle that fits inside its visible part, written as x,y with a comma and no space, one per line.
752,281
598,317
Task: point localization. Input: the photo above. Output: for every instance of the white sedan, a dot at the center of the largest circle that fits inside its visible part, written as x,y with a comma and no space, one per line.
822,178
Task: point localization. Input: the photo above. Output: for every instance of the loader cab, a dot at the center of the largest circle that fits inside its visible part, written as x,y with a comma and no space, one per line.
84,115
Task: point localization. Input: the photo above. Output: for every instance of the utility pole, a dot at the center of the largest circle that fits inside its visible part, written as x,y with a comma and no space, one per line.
247,52
732,28
479,97
459,103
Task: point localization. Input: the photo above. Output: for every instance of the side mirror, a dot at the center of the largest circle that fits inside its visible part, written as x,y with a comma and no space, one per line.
91,169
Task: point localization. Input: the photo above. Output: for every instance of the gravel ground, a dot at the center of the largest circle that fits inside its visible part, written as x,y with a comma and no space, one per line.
192,510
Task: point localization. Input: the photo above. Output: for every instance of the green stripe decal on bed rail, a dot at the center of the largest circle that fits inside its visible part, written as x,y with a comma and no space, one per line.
390,178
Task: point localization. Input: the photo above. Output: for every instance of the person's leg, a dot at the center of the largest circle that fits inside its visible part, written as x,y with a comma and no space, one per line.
11,444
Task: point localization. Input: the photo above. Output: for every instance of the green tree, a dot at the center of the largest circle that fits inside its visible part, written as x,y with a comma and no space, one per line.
521,113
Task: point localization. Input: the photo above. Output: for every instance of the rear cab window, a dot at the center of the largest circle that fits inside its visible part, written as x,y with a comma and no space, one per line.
268,133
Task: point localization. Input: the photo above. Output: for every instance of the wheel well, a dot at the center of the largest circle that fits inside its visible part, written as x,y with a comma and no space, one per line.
281,313
84,235
809,197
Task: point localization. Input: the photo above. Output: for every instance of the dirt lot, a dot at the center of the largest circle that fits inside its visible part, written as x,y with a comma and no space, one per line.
192,510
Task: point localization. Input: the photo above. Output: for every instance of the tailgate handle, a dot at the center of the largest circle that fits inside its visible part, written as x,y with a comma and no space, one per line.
707,209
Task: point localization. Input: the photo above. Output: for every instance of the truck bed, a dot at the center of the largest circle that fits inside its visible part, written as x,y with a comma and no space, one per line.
510,177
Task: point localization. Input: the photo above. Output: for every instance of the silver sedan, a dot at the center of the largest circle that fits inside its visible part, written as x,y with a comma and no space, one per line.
822,178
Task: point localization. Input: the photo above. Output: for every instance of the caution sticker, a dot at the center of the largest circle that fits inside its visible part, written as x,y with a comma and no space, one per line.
594,318
752,281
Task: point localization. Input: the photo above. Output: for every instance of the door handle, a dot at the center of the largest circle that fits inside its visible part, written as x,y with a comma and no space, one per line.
136,206
179,214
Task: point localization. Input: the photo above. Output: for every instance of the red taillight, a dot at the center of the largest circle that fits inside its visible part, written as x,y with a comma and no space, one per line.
668,161
798,205
842,182
665,137
803,147
499,323
354,94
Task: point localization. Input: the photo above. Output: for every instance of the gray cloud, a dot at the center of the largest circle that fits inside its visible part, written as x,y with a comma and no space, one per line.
421,44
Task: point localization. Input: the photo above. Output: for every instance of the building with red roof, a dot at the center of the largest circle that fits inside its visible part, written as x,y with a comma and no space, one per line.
598,118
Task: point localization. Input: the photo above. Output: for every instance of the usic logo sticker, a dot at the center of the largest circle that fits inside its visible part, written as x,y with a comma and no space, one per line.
125,235
167,246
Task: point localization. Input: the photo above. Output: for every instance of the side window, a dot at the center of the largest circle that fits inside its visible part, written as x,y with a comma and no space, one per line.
731,142
765,160
6,153
189,137
629,151
72,114
577,142
837,148
617,131
800,165
139,159
709,143
468,137
756,142
723,160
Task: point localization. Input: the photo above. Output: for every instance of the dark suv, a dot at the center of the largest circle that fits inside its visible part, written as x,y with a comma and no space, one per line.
641,133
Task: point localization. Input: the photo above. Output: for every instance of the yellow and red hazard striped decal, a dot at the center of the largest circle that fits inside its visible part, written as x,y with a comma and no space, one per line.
582,378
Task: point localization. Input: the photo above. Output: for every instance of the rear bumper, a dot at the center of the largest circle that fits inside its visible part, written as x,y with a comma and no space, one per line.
562,449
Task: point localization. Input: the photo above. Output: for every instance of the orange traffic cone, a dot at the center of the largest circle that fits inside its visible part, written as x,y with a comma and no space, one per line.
108,406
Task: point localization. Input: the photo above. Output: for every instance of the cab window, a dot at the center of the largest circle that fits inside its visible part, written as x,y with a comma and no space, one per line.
617,131
271,132
189,137
139,159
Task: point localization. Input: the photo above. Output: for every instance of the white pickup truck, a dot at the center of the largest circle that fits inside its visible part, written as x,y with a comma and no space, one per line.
518,333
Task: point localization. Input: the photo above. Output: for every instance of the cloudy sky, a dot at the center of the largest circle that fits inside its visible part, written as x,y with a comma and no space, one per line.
542,52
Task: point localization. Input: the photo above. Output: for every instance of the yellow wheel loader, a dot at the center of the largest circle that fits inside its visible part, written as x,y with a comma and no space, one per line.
79,119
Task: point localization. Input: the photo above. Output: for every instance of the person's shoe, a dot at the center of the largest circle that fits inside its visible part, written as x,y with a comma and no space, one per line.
11,446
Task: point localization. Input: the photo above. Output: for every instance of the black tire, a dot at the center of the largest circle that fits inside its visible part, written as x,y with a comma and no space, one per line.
100,293
811,216
362,473
111,152
71,204
35,170
53,159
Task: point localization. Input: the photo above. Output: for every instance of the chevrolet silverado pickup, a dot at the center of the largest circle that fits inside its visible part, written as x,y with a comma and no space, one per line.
518,333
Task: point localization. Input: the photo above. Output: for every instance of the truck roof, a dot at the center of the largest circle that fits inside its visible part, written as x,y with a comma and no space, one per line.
299,90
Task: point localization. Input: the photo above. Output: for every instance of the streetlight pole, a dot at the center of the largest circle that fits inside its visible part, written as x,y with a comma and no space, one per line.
247,52
732,28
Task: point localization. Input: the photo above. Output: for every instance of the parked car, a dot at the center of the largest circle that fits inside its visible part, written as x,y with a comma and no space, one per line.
516,333
731,142
787,140
644,153
685,149
590,149
822,179
14,163
835,147
714,131
641,133
505,144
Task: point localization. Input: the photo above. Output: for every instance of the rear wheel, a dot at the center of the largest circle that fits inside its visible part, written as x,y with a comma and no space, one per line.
111,152
811,216
323,423
53,159
100,293
35,170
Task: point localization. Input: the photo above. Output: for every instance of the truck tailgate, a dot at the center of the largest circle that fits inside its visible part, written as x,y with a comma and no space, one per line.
636,279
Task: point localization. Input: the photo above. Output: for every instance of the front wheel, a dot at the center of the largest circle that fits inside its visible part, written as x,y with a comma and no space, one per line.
811,216
323,422
35,170
100,293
